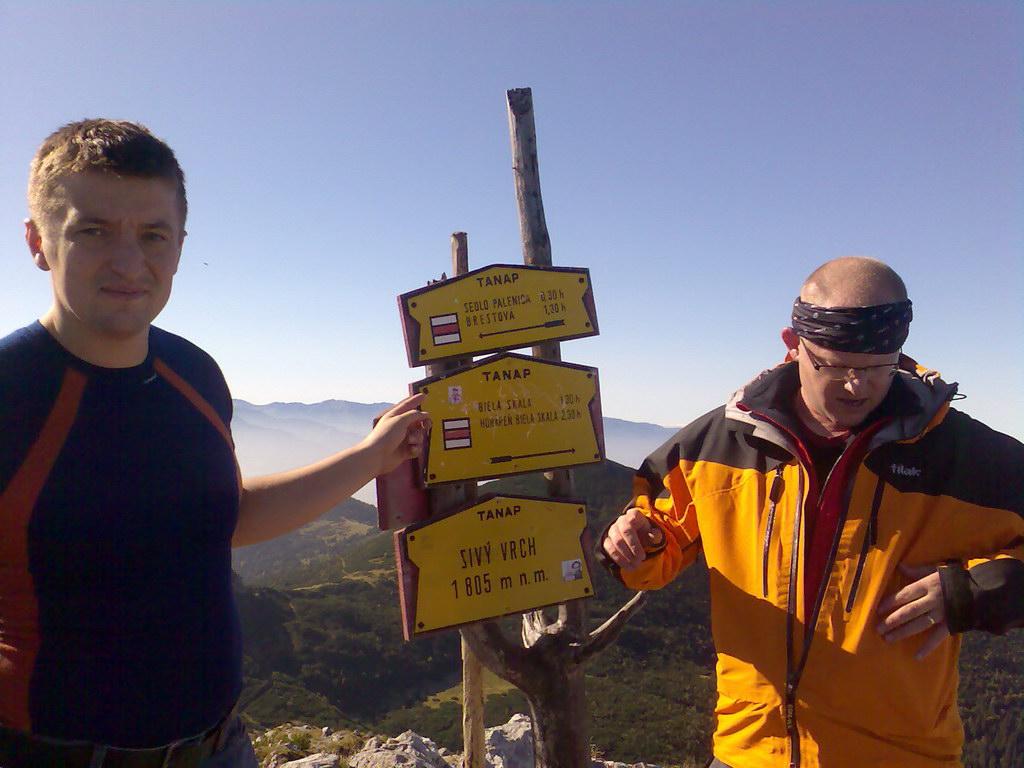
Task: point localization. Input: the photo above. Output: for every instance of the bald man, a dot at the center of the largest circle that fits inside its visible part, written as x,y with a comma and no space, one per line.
853,524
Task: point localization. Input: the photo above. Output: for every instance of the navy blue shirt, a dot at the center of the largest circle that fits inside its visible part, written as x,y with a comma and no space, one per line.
119,494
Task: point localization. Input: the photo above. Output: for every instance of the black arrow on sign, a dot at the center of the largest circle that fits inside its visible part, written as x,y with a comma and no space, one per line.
504,459
548,324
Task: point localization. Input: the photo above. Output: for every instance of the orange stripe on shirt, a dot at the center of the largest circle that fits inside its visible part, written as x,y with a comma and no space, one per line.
19,628
202,406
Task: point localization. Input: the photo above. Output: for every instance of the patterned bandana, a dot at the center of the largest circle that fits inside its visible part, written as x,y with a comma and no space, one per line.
877,330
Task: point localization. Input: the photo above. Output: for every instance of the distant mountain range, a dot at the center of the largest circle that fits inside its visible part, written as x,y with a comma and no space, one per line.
279,436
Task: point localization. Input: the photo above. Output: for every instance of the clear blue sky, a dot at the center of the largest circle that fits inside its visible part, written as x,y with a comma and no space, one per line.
701,158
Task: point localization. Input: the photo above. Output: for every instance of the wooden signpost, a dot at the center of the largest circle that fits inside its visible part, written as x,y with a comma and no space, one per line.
475,560
502,306
501,555
510,414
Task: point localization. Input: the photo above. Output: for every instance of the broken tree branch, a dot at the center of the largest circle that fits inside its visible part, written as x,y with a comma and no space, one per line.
608,632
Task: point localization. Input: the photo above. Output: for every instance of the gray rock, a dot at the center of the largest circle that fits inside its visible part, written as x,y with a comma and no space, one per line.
408,750
319,760
510,745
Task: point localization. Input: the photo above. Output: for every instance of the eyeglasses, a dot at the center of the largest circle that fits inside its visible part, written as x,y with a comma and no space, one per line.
845,373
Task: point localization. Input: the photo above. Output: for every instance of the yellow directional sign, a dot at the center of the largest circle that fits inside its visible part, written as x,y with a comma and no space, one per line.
504,554
498,307
510,414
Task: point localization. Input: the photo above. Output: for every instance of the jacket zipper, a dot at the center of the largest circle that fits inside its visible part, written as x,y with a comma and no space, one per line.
773,497
870,540
794,675
794,559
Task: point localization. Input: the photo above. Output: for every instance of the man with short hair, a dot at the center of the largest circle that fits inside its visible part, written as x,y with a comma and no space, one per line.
120,497
853,526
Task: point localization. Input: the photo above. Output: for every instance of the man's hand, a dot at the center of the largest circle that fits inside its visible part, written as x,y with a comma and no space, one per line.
916,608
273,505
626,539
399,434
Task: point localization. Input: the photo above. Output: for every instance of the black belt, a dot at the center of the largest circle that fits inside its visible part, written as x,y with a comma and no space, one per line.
19,749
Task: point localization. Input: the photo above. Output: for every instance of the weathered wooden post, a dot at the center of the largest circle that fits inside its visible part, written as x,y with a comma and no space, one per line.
548,667
533,228
474,749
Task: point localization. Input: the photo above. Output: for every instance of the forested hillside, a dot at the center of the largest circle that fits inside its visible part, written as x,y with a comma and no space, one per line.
324,646
315,544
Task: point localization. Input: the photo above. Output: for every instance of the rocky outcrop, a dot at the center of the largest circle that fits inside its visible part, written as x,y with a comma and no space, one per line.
303,746
319,760
508,746
407,750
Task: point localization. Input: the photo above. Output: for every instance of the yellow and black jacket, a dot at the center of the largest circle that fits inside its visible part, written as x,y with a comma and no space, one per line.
808,681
